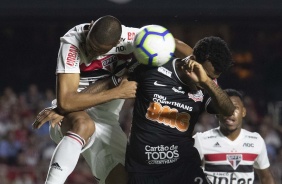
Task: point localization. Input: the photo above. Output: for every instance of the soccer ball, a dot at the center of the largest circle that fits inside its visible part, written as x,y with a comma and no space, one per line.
154,45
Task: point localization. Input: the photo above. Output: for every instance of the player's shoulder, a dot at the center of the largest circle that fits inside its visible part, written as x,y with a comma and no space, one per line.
128,33
209,134
78,28
125,45
129,29
74,36
251,135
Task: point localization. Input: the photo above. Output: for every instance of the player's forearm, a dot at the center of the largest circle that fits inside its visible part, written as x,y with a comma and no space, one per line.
220,99
93,95
99,86
82,101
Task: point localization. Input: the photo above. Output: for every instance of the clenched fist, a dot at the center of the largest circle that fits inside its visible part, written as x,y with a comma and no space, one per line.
126,89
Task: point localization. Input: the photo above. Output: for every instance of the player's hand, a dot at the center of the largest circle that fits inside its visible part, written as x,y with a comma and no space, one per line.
196,71
126,89
48,114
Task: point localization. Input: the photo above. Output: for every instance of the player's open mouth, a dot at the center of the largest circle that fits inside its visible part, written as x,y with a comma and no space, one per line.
229,121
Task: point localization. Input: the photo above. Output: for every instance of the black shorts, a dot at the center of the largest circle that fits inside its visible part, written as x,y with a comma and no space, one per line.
189,171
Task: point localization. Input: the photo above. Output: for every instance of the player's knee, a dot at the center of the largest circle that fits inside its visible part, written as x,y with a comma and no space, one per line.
83,127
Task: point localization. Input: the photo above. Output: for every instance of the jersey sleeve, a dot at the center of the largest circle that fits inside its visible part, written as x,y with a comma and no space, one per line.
68,59
125,45
262,161
197,144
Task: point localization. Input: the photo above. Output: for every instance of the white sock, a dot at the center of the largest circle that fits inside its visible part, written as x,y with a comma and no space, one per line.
65,158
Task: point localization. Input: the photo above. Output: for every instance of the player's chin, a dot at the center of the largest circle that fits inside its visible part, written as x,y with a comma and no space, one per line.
231,128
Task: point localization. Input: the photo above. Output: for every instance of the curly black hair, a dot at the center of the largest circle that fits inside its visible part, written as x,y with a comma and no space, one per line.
215,50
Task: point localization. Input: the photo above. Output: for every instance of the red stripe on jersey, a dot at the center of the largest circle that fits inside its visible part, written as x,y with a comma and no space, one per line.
223,156
95,64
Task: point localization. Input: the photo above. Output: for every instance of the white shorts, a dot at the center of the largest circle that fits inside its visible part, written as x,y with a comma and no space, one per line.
107,150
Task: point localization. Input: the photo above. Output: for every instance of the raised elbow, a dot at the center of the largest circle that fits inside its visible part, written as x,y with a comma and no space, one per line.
63,107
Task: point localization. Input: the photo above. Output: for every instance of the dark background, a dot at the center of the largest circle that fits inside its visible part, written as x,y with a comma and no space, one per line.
30,32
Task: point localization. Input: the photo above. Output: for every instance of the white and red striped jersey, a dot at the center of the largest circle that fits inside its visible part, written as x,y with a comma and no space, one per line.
72,57
226,161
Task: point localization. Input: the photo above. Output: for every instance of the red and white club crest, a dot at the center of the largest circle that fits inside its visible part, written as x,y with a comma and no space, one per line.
234,160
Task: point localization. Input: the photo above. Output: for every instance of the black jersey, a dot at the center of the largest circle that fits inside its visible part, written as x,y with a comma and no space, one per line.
164,116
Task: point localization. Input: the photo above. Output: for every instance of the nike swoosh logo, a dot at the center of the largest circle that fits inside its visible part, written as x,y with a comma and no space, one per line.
157,84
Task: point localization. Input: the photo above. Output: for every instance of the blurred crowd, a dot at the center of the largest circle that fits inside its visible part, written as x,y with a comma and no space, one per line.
25,153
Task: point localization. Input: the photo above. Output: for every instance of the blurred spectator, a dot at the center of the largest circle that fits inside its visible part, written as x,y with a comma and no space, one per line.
9,97
277,167
7,100
9,149
252,117
33,97
270,136
269,133
206,122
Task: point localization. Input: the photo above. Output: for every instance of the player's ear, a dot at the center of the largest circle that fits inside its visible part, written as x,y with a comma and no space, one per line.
244,112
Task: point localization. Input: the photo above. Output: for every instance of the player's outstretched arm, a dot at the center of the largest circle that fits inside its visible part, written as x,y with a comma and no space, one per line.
69,100
126,89
182,50
265,176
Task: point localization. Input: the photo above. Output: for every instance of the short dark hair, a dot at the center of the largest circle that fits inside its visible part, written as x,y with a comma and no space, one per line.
234,92
215,50
106,30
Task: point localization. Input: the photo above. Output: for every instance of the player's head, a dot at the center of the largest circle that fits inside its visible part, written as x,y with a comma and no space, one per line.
214,54
103,35
234,122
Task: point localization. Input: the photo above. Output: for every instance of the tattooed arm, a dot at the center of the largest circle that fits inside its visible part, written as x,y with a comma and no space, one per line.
194,75
220,102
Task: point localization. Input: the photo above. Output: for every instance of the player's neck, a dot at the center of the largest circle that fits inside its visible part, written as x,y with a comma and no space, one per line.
231,135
